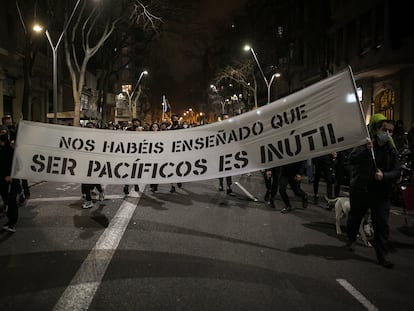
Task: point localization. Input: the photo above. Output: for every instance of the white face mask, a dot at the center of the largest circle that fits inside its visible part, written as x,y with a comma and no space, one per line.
383,136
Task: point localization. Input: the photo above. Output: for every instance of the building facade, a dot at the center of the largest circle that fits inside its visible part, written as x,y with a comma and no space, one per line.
374,37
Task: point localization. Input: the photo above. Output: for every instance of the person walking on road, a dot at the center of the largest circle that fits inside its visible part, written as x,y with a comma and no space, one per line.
375,169
9,125
271,178
324,166
229,180
9,187
291,175
135,127
86,191
154,128
175,125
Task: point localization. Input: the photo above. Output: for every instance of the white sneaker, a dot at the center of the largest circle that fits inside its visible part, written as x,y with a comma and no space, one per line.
87,204
9,228
101,196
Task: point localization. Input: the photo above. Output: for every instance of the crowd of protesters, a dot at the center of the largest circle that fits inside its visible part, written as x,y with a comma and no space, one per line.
370,178
134,125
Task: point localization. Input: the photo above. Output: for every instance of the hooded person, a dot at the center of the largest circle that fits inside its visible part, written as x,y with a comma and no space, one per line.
375,167
378,119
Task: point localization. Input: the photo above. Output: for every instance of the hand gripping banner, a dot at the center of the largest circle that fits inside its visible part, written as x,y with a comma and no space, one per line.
317,120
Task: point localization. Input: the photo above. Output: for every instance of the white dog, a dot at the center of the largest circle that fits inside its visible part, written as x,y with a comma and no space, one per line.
342,208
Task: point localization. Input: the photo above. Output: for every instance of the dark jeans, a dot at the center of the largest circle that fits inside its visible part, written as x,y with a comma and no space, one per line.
327,172
9,193
339,176
284,181
26,189
228,181
380,211
87,188
272,183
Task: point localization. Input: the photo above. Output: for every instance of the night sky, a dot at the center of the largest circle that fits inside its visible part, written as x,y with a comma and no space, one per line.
179,54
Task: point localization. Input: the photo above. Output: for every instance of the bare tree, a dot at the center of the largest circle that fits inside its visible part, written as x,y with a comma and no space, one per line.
91,30
241,74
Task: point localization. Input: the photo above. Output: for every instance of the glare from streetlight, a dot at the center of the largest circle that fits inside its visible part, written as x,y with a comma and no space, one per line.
247,47
37,28
145,72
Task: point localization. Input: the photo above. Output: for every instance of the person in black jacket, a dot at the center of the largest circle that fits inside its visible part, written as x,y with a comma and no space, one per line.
9,125
324,166
271,178
9,187
375,169
175,125
291,174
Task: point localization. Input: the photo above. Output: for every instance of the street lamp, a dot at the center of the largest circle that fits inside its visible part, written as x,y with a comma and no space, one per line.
139,80
39,28
130,95
223,103
268,83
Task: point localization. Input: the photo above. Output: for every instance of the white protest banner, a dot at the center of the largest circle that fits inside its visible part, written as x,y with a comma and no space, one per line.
320,119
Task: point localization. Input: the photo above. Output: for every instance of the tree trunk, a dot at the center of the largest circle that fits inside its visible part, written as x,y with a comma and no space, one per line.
27,85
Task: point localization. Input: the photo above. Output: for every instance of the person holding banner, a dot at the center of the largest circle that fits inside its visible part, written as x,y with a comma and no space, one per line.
155,128
271,177
291,175
175,125
375,167
9,125
135,127
87,189
229,180
324,166
9,187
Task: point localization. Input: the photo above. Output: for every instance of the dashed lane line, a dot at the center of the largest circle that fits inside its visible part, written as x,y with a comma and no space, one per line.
357,295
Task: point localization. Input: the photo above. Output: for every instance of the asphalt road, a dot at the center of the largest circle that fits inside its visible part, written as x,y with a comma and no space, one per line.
196,249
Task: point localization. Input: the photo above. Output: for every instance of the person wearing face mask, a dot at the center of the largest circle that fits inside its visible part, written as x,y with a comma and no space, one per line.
175,124
375,168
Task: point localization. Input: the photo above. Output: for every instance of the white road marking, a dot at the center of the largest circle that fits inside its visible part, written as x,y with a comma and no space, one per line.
79,294
247,193
357,295
67,186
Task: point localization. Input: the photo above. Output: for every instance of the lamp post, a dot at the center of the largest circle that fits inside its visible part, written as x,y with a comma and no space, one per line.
39,28
223,103
130,95
268,83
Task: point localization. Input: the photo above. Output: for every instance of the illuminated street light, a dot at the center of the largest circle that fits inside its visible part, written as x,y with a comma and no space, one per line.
223,103
131,95
268,84
39,28
139,80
